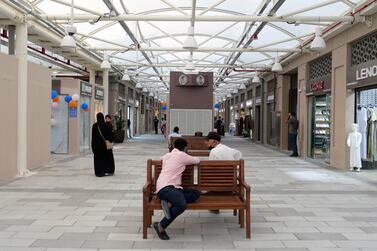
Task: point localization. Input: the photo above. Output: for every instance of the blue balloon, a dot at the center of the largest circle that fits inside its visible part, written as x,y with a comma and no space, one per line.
54,94
84,106
163,107
67,98
217,106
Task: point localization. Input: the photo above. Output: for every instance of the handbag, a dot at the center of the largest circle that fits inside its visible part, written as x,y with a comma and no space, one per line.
109,145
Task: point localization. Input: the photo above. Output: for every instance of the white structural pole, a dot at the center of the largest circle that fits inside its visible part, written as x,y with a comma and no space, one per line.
92,81
22,142
217,18
105,82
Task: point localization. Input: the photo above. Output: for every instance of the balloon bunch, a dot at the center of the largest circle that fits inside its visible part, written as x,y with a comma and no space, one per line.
73,102
55,99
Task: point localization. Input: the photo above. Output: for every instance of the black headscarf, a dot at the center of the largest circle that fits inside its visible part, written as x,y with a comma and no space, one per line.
101,120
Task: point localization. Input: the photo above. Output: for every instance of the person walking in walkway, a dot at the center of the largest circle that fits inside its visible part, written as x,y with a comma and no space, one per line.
103,156
129,128
174,134
108,121
155,123
292,133
169,189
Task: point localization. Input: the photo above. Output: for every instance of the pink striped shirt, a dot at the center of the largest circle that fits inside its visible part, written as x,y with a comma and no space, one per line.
173,165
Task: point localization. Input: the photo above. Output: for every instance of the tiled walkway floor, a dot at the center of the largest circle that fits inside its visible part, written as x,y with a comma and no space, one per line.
296,205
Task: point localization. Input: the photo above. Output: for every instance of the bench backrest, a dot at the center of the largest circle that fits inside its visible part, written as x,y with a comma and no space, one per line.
193,142
213,175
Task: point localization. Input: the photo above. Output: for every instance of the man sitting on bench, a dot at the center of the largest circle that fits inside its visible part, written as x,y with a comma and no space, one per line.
168,186
220,151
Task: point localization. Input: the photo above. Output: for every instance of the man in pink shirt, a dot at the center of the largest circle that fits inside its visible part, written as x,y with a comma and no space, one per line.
169,189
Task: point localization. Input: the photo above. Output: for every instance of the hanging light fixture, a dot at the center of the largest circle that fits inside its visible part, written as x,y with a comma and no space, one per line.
125,76
242,86
151,94
277,66
229,95
255,79
139,85
145,90
235,91
318,42
105,65
190,42
68,41
190,65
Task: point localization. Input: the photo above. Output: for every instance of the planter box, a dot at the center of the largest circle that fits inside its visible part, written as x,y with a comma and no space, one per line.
119,136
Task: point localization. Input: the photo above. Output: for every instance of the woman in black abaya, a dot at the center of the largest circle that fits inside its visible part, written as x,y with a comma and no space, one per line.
103,158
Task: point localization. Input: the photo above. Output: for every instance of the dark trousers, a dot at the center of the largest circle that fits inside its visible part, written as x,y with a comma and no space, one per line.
292,141
156,129
179,199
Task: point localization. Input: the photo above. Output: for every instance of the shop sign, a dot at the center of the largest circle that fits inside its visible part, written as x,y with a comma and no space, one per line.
86,89
270,98
99,93
73,112
367,72
137,103
241,105
249,103
258,100
317,86
231,108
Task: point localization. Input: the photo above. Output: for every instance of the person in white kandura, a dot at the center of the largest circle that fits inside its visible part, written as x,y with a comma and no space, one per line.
353,142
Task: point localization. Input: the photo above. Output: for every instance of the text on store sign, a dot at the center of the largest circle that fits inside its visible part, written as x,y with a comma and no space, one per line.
316,86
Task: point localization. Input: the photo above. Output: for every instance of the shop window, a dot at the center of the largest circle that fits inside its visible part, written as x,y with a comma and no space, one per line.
320,67
258,91
242,97
364,50
130,93
250,94
121,91
270,87
232,102
237,99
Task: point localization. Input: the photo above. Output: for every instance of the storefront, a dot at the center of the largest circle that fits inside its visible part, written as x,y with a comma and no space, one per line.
98,99
85,124
362,77
272,123
258,114
318,90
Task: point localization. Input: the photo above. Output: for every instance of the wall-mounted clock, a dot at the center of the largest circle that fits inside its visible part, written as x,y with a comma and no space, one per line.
200,80
183,80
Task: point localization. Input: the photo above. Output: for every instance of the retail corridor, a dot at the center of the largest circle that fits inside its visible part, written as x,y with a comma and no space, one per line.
296,205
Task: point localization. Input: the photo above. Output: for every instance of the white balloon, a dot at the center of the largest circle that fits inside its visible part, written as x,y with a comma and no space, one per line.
75,97
53,122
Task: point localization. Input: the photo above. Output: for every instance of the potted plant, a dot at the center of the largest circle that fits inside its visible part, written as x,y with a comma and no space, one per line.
119,133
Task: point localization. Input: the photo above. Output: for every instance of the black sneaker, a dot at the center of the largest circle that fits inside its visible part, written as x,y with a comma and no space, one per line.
166,209
162,235
215,211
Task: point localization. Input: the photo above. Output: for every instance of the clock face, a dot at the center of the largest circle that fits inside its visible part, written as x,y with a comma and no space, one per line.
183,79
200,80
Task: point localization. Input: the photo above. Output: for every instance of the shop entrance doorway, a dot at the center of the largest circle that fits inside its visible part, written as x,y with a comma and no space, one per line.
320,127
257,123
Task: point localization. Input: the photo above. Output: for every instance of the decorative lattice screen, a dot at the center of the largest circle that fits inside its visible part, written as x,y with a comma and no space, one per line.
320,67
364,50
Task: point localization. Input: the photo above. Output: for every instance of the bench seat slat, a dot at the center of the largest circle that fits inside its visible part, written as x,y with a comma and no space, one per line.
215,201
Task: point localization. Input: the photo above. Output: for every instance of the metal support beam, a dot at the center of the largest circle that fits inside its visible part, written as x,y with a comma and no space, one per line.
217,18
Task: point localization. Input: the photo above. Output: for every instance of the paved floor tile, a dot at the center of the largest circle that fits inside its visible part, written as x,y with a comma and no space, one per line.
296,205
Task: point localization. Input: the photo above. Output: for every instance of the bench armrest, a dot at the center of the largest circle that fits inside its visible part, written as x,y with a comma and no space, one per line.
248,190
147,188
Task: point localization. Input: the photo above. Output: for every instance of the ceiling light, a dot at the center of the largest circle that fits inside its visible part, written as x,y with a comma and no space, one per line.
151,94
68,42
224,98
125,76
190,66
242,86
277,66
318,42
105,65
190,42
139,85
255,79
235,91
145,89
222,84
229,95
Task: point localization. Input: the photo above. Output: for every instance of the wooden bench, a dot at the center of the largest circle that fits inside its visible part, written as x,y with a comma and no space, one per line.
196,145
221,183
